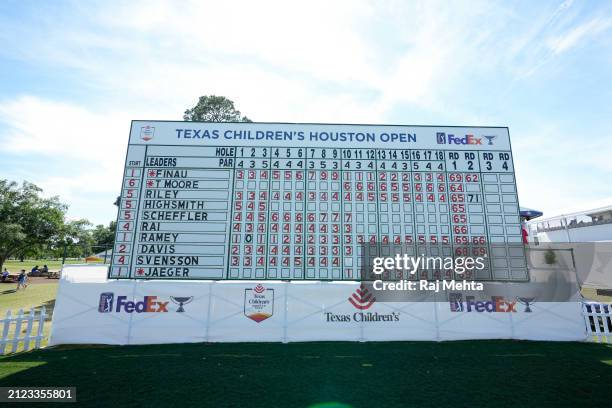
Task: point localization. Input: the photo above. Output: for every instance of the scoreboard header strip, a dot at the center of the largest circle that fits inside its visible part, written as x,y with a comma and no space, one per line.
318,135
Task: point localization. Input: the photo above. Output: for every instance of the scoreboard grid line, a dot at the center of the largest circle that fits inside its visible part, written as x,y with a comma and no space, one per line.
136,218
123,181
518,203
304,208
268,220
342,221
486,223
378,229
450,218
415,243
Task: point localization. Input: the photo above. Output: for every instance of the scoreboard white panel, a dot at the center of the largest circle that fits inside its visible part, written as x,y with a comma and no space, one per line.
299,201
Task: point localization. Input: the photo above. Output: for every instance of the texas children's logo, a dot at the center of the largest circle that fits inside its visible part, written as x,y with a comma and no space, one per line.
148,304
147,133
497,304
258,303
443,138
361,299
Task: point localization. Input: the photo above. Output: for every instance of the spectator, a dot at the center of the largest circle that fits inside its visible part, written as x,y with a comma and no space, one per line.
35,270
5,275
21,280
45,270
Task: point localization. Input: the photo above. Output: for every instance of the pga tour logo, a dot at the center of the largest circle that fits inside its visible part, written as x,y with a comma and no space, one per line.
147,133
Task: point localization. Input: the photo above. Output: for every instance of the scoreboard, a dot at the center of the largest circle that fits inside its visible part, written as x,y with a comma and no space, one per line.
300,201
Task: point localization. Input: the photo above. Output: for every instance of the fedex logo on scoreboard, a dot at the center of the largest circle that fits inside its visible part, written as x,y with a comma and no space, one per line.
497,304
443,138
149,304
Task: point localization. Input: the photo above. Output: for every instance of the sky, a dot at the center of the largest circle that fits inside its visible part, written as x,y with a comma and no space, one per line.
74,74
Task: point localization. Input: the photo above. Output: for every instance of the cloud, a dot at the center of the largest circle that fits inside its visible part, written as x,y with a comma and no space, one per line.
67,150
557,168
59,128
344,61
268,54
574,36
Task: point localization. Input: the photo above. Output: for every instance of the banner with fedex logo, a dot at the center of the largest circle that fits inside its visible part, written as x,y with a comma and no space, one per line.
93,310
149,304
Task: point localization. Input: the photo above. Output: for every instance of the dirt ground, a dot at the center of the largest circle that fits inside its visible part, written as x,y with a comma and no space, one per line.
32,281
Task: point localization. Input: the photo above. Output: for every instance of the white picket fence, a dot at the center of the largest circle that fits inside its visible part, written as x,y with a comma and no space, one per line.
598,319
9,342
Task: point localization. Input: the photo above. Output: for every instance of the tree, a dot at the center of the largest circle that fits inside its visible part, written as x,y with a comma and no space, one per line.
27,220
214,108
104,236
31,252
76,239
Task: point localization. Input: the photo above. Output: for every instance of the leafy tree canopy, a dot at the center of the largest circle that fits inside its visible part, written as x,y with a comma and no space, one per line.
214,108
27,220
104,236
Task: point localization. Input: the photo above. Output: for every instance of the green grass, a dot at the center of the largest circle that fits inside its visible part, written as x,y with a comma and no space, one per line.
36,295
399,374
55,265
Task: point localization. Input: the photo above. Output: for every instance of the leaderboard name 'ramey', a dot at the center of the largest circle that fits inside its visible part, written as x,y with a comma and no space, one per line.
159,237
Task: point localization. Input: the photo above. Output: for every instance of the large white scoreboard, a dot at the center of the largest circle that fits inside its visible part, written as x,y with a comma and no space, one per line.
300,201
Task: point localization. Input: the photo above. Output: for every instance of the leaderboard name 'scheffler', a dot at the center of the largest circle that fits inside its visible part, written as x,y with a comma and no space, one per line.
299,201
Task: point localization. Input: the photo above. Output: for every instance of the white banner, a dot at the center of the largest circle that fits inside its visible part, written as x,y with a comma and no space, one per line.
92,309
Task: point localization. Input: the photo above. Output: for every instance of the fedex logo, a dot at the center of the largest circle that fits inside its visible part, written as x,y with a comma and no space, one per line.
497,304
467,140
443,138
149,304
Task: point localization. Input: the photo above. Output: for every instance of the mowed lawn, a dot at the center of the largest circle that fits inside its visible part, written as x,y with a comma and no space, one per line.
27,264
398,374
36,295
40,292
